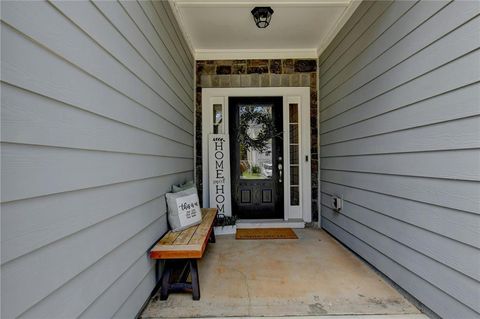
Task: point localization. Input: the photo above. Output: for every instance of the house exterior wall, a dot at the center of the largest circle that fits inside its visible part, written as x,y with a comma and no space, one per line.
259,73
399,133
96,124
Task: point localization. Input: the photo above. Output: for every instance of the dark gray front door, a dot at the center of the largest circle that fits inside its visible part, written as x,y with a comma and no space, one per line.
257,176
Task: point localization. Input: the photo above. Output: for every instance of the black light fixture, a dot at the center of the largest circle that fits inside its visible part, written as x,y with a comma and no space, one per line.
262,16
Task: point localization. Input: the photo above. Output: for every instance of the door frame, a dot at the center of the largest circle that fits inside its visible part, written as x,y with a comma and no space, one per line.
300,95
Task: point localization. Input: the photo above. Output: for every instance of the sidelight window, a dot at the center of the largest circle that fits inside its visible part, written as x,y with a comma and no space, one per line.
218,126
294,146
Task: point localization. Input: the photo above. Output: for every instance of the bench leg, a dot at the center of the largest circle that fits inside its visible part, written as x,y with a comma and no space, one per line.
185,266
165,281
212,237
157,277
195,281
157,270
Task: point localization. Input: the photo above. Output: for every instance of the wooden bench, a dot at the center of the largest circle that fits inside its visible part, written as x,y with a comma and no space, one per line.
182,249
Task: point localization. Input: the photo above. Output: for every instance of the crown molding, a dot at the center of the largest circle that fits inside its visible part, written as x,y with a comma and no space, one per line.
347,13
181,25
246,54
250,3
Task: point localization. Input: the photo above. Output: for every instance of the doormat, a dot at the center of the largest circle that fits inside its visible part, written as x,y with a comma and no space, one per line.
265,233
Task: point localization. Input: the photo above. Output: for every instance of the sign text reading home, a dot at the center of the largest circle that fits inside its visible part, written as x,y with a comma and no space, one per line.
219,172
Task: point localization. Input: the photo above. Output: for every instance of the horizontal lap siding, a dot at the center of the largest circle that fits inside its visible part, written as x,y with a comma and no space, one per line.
96,126
400,140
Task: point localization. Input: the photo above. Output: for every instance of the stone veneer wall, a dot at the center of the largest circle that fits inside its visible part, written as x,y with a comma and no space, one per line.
259,73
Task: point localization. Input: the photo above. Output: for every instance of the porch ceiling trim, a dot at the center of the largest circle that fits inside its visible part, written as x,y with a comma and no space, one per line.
215,54
255,54
249,3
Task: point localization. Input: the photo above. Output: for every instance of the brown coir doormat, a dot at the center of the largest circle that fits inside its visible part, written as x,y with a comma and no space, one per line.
265,233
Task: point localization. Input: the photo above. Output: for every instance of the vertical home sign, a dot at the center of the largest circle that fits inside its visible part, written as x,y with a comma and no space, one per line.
219,173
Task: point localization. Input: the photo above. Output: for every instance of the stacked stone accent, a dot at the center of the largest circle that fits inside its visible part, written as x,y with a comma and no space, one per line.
259,73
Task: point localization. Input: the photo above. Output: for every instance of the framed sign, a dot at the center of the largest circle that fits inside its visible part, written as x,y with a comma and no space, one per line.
219,173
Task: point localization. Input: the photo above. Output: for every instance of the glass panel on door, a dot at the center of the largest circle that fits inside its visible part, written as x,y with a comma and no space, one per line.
254,163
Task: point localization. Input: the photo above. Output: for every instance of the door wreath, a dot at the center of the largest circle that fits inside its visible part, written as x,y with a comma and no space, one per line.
249,116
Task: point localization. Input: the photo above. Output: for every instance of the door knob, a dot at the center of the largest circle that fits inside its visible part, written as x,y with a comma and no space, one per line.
280,166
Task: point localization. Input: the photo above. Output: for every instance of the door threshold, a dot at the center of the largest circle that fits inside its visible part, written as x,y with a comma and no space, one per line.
270,223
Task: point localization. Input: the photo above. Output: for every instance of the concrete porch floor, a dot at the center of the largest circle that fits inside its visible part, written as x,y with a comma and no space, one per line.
311,276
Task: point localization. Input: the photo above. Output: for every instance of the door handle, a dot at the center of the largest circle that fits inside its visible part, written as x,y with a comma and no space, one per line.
280,169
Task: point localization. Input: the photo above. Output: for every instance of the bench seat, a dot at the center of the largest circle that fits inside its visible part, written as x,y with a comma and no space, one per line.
188,243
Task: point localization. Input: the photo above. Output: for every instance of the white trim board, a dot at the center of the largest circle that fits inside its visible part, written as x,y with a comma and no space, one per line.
182,27
252,3
349,10
201,54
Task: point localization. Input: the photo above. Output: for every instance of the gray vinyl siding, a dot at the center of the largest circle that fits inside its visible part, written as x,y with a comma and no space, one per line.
96,125
400,136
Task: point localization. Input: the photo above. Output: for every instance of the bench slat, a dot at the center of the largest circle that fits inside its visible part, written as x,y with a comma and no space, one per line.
169,238
185,236
203,228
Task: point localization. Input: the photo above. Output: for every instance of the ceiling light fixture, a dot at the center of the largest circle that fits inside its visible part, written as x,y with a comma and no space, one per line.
262,16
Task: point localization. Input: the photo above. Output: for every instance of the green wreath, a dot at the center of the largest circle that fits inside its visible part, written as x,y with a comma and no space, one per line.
249,116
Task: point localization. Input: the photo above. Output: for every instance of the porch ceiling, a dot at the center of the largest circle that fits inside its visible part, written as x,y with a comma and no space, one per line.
222,29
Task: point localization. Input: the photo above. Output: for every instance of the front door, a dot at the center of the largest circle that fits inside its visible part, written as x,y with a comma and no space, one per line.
256,150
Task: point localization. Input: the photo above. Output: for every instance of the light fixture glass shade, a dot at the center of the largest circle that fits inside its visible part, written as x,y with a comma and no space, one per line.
262,16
